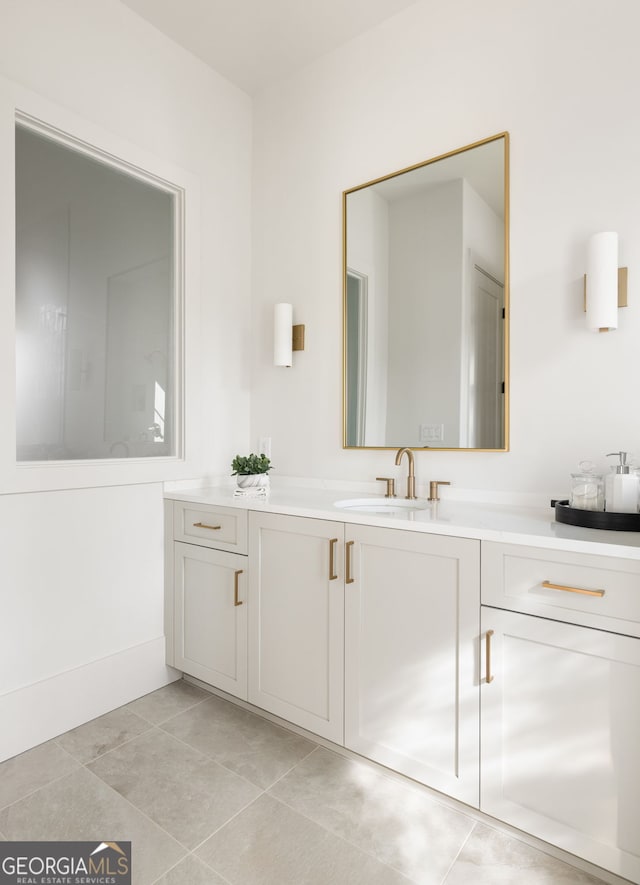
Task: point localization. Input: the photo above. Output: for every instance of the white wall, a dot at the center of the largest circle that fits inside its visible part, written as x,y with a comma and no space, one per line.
483,232
81,594
425,276
562,78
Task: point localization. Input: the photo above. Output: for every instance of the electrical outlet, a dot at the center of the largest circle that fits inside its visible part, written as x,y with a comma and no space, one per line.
264,446
430,433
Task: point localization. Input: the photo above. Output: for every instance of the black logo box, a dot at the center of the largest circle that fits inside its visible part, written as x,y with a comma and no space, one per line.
65,863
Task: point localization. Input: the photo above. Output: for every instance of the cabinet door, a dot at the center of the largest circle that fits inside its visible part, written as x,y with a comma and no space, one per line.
210,617
296,621
560,736
411,660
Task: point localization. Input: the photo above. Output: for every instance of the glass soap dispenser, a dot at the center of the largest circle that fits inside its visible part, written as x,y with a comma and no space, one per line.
621,491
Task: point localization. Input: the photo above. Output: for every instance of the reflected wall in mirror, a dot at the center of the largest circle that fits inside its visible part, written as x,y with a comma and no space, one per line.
426,304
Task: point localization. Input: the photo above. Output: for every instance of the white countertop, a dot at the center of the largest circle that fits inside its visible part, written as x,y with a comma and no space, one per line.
483,521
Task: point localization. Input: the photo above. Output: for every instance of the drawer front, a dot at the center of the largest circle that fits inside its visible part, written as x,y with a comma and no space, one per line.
595,591
223,528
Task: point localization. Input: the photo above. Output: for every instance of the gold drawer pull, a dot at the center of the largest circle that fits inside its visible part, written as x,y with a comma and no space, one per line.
549,586
236,581
332,559
203,525
348,578
488,676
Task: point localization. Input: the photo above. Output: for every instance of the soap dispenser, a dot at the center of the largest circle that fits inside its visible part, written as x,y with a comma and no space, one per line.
621,493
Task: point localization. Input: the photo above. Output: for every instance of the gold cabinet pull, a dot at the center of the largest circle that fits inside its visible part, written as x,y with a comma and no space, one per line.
203,525
347,549
236,582
487,661
549,586
332,559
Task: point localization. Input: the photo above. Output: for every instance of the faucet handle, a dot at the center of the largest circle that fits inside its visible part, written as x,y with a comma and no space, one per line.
433,489
391,485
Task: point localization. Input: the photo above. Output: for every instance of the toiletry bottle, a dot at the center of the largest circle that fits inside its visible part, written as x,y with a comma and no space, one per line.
621,495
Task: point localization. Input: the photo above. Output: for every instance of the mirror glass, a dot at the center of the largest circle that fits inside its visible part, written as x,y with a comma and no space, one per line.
426,304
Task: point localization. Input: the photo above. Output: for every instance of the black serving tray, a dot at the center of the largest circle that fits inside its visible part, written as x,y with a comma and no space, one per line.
596,519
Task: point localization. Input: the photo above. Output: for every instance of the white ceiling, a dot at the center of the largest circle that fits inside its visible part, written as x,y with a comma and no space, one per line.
254,42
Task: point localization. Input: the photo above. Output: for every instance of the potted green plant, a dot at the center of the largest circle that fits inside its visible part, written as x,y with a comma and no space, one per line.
251,471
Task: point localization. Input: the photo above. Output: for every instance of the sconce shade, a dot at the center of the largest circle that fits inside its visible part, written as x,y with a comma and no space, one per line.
282,335
602,281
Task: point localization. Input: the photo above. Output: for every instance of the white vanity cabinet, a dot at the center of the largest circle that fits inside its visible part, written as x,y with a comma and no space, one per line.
209,600
411,655
296,620
390,617
561,701
504,675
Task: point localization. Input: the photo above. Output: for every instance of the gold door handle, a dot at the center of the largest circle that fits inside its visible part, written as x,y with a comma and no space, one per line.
332,559
549,586
236,582
487,662
203,525
348,577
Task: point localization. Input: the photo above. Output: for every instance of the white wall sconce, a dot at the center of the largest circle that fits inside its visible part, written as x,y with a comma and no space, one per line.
605,284
286,336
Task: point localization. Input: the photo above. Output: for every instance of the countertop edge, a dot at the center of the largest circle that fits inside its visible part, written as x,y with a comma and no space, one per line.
473,520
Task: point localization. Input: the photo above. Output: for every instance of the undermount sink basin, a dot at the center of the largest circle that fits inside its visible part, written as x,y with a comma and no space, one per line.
381,505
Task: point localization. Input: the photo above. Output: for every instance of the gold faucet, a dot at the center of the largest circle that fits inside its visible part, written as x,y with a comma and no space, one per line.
411,478
433,488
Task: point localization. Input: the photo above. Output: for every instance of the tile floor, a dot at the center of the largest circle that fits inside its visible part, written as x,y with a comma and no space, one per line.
209,793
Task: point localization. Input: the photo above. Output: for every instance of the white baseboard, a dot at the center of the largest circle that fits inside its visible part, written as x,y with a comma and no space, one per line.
41,711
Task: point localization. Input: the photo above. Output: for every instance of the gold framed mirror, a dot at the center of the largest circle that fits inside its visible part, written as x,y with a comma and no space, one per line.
426,304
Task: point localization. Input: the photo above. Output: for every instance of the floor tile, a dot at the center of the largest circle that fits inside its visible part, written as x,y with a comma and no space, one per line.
400,825
167,702
91,740
269,843
31,770
81,807
185,792
491,857
241,741
191,871
326,818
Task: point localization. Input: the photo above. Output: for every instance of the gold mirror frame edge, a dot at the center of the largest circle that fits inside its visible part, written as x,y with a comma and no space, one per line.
507,298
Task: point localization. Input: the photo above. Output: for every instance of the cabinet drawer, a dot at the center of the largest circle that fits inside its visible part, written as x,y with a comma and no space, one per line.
223,528
596,591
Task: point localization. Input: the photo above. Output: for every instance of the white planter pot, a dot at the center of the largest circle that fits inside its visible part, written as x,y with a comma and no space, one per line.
252,480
